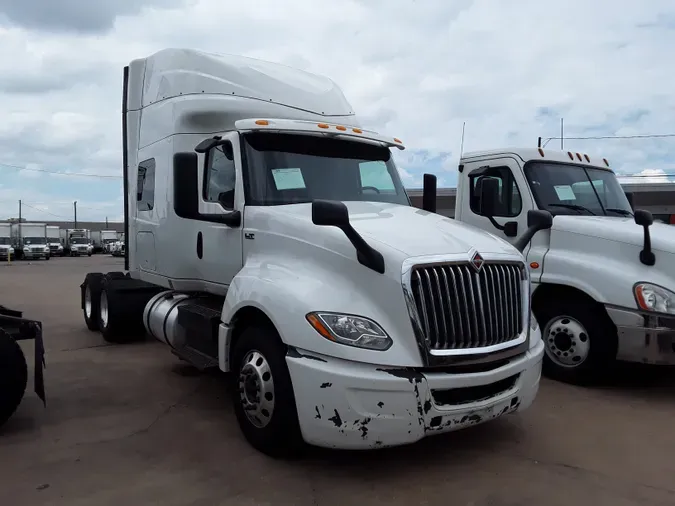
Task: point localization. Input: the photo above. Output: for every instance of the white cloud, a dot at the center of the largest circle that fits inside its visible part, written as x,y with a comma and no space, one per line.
411,68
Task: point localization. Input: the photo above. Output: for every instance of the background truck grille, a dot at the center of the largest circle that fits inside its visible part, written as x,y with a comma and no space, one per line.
461,308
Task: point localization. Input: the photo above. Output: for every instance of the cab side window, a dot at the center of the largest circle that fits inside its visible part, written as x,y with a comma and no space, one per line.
145,187
220,176
509,202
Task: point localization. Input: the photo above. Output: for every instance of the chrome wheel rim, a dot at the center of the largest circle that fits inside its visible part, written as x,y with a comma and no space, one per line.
256,389
87,301
104,309
567,341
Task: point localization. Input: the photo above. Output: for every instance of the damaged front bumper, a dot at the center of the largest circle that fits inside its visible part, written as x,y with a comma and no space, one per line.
644,338
352,405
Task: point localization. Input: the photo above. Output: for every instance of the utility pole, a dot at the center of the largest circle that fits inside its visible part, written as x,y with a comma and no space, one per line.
562,134
75,209
20,240
106,222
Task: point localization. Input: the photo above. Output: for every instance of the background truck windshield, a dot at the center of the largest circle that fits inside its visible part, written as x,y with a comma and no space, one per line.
79,240
289,169
34,240
576,189
5,240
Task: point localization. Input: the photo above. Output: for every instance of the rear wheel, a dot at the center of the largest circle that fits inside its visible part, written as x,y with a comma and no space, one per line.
120,315
580,340
262,391
91,296
13,376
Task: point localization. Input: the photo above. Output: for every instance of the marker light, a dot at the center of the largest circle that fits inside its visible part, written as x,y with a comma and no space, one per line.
569,153
357,130
341,128
262,122
322,125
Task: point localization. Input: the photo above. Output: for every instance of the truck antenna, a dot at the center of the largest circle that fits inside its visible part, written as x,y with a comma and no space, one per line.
461,145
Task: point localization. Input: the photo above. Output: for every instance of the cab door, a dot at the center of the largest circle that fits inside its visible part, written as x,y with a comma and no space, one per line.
514,200
218,246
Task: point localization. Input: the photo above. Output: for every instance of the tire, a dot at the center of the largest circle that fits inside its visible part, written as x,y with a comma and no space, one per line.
579,338
47,257
88,254
13,376
278,435
120,316
91,298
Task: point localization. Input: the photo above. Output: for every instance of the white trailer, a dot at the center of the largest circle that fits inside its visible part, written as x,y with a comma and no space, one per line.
54,240
6,248
30,240
269,235
603,278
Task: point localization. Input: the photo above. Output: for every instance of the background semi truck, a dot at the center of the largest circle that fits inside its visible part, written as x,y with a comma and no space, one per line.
263,237
78,242
6,248
54,240
603,277
108,237
30,240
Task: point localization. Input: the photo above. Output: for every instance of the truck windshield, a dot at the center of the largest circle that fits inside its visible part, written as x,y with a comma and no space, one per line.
290,169
565,188
34,240
79,240
5,241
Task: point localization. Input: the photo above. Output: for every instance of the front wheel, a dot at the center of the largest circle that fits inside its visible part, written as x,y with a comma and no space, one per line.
262,391
580,341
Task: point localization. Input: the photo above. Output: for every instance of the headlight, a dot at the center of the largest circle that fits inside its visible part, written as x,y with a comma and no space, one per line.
654,298
26,248
350,330
534,325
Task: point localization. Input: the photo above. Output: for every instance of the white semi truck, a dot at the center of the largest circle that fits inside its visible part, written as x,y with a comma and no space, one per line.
78,242
30,241
270,236
603,281
54,240
108,237
6,248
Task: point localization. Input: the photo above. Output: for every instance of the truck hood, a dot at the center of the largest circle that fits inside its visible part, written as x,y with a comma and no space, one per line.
621,230
408,230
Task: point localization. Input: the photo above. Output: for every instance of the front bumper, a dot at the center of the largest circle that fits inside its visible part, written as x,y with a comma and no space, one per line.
351,405
643,338
78,252
32,255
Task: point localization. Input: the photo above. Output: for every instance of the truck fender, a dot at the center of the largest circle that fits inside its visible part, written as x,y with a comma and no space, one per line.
286,293
605,280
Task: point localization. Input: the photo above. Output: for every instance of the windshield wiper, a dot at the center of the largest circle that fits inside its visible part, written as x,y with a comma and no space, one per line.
574,207
622,212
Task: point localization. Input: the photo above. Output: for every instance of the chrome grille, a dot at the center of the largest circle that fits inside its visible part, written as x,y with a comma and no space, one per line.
460,308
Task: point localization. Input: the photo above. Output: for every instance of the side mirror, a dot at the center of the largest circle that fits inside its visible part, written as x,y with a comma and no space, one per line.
330,213
541,220
333,213
186,193
643,218
429,193
629,196
536,220
489,191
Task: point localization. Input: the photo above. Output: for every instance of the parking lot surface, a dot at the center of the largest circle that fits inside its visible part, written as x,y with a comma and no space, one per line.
130,425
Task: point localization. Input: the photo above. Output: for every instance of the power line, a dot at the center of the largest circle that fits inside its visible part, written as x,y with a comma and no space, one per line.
601,137
46,212
75,174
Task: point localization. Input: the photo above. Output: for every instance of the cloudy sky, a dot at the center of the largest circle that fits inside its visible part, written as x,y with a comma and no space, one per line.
414,69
